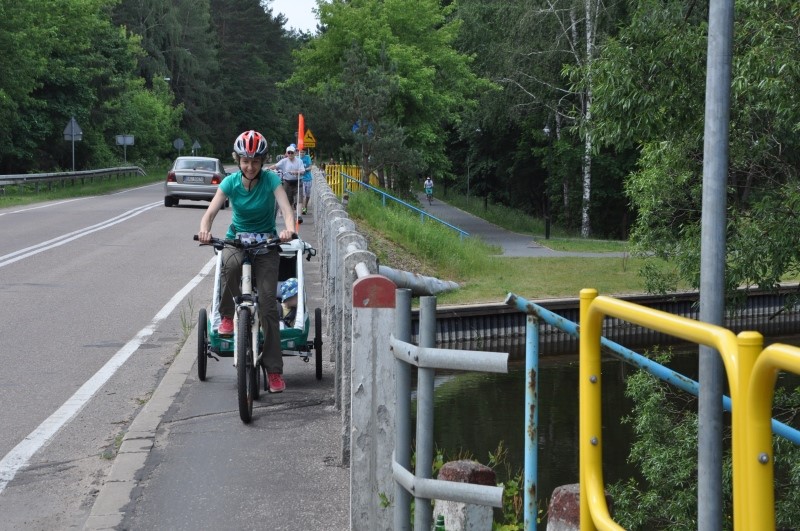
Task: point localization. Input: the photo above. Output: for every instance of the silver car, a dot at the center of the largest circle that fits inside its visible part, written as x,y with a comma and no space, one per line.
195,178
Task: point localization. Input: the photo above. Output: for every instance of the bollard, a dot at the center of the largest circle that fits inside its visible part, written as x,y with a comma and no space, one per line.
564,511
464,516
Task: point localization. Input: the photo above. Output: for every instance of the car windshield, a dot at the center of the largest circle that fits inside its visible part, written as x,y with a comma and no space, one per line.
195,164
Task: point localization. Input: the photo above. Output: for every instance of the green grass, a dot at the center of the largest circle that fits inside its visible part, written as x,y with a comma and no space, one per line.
25,195
487,278
517,221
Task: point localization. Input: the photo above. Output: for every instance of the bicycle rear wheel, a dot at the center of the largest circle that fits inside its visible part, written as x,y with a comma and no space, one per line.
202,344
244,361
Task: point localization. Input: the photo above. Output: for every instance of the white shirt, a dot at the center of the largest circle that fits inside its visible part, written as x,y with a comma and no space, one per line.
288,167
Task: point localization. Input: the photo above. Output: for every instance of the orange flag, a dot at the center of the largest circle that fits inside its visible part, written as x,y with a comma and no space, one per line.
301,131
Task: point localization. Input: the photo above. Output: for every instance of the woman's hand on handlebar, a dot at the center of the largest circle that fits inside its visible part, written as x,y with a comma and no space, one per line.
287,235
204,236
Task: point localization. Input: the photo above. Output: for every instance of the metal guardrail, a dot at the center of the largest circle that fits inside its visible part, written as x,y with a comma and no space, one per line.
427,359
63,177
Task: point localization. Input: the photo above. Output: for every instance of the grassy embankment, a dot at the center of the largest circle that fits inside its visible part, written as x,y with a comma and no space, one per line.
430,249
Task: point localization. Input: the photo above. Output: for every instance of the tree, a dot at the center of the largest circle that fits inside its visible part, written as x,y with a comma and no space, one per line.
648,94
19,74
539,46
255,55
181,46
411,45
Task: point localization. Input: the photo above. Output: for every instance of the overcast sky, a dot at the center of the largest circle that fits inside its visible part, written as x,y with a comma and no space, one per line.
298,12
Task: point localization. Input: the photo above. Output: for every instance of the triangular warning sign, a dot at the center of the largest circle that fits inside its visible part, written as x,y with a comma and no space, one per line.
308,139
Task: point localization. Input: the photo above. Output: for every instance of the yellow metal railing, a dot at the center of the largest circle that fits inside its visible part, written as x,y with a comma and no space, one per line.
751,375
333,174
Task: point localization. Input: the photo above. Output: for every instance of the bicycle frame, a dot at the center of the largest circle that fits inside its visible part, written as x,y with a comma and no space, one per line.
248,299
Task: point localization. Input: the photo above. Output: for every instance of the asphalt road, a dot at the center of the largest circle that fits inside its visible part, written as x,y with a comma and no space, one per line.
98,293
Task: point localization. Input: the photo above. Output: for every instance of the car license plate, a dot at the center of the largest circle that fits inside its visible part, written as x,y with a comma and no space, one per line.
192,179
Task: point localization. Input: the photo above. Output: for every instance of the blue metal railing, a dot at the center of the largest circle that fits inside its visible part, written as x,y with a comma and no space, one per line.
384,196
536,313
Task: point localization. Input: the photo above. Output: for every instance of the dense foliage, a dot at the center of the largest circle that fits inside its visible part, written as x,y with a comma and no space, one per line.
649,95
665,451
199,70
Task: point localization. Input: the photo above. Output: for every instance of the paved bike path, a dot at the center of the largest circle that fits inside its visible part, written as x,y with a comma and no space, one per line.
512,243
188,461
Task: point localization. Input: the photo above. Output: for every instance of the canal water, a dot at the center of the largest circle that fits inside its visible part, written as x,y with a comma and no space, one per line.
475,412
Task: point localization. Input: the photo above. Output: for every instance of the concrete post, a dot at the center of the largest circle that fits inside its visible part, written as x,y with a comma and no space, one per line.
336,219
344,362
465,516
372,405
564,511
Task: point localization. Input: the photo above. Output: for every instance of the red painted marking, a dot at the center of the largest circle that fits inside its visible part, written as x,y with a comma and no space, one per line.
374,291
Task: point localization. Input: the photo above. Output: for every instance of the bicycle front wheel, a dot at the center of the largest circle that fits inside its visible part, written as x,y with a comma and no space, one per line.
244,361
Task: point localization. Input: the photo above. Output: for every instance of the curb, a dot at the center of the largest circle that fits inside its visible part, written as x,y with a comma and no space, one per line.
115,493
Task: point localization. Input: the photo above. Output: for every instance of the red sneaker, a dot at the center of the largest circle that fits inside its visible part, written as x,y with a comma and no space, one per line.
226,327
276,383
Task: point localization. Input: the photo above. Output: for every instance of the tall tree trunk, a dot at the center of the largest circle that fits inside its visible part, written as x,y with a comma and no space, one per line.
591,18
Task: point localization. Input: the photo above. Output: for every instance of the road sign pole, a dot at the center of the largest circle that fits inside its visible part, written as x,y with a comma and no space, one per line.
70,132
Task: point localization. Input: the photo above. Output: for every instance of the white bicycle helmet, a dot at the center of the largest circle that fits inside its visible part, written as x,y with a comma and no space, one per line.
250,144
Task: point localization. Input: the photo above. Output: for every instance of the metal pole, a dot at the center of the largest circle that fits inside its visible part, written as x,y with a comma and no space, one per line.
531,458
712,260
402,441
72,138
423,512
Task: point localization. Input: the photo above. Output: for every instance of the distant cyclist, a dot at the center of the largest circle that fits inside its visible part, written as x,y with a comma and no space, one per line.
429,189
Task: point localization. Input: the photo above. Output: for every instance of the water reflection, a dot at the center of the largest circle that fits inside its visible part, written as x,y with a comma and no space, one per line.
474,412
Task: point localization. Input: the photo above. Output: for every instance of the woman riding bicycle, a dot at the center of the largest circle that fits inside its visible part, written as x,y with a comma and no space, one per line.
252,192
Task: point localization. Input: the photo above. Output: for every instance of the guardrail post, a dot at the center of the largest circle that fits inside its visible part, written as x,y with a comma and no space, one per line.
336,220
373,404
402,440
344,362
423,512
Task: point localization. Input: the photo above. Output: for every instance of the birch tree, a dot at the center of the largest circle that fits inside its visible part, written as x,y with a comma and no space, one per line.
556,39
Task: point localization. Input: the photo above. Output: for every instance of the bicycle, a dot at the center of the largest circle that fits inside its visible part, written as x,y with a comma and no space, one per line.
429,195
248,336
247,329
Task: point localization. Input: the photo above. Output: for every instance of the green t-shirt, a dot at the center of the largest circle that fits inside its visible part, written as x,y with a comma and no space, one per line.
254,210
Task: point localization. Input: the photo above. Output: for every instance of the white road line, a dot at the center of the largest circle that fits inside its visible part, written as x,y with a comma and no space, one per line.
19,457
48,205
74,235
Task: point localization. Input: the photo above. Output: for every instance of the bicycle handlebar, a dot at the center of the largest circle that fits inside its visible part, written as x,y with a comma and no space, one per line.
219,244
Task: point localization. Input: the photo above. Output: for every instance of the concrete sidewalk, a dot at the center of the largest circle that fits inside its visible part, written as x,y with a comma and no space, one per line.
188,462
